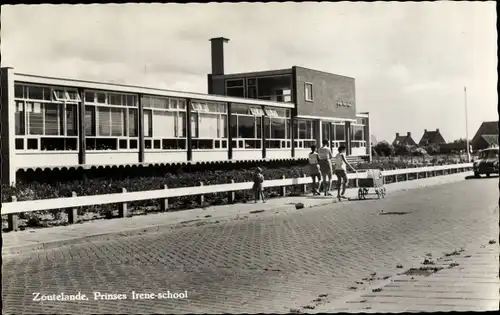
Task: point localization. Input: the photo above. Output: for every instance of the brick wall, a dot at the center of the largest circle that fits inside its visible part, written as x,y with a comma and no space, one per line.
328,89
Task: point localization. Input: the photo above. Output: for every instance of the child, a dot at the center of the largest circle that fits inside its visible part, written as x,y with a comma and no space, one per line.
258,179
341,165
313,169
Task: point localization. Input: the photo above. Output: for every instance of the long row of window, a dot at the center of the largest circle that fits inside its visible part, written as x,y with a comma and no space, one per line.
47,119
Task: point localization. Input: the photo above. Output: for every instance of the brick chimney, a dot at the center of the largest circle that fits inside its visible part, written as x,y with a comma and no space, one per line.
218,55
425,130
397,134
437,130
409,134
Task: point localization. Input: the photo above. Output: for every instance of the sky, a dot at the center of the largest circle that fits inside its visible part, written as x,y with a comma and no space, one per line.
410,61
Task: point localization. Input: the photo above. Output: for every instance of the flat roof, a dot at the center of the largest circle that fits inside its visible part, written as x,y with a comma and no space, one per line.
255,73
124,88
276,72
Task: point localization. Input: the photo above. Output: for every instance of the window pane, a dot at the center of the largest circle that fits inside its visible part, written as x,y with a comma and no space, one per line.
89,97
35,118
181,104
194,125
223,127
51,119
339,132
278,128
147,128
71,120
234,126
130,100
117,122
258,123
208,125
246,127
181,125
19,118
101,97
163,124
104,121
160,103
90,121
19,91
267,127
236,92
232,83
35,92
47,94
146,101
73,95
302,127
309,131
115,99
358,133
60,95
132,123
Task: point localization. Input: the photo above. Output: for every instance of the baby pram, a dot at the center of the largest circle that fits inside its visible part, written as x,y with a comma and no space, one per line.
374,179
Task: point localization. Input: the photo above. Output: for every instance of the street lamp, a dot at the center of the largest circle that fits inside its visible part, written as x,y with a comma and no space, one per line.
466,126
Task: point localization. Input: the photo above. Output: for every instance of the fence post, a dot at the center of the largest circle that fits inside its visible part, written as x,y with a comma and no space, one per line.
72,212
164,201
396,178
407,176
304,187
283,189
416,175
201,198
230,194
12,218
122,212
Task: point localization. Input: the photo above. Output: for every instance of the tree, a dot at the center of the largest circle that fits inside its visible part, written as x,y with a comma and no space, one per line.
402,149
383,148
433,148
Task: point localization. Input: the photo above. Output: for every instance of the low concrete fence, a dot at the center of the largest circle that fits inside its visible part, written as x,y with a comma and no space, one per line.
13,208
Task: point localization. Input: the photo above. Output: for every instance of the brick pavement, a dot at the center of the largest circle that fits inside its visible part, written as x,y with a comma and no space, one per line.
271,262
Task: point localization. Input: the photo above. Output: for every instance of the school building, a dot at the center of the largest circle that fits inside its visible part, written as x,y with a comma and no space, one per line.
56,123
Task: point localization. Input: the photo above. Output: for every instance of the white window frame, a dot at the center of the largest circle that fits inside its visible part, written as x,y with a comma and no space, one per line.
311,96
257,112
273,113
179,109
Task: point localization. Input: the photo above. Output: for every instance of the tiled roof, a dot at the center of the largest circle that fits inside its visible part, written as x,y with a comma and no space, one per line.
490,139
489,128
400,139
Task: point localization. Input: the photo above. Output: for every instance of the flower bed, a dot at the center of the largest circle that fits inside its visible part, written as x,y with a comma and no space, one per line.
37,191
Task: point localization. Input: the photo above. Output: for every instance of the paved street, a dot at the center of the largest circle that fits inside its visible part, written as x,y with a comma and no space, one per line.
266,262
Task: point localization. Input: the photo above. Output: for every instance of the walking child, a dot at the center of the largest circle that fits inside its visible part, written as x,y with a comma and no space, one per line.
341,165
258,180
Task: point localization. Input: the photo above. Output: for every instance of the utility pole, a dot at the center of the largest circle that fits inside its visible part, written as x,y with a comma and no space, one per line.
466,125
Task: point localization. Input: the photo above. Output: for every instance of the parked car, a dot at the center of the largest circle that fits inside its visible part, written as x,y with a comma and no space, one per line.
487,162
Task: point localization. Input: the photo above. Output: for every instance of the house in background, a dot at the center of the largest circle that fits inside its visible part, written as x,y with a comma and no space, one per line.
431,137
404,140
486,136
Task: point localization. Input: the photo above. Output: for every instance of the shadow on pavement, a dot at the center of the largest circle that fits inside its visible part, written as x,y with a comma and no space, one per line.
481,177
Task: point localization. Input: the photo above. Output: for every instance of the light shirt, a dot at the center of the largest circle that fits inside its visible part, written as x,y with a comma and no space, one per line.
313,158
325,153
339,162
